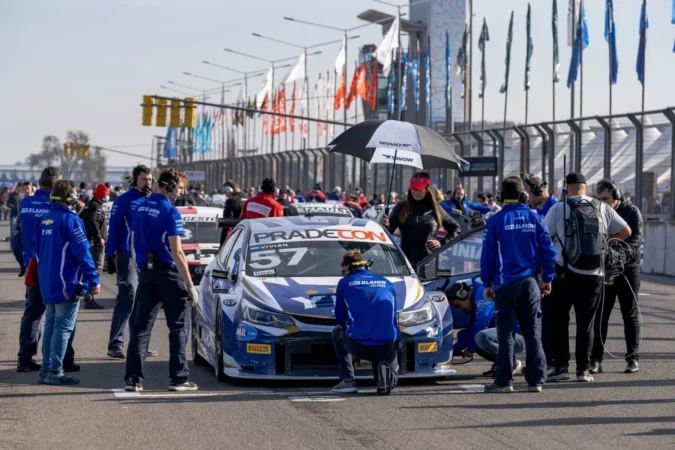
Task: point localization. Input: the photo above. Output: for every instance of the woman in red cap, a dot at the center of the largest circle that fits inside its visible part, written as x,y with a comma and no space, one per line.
418,218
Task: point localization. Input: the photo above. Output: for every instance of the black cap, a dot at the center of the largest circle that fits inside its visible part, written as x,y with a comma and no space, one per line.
458,291
575,178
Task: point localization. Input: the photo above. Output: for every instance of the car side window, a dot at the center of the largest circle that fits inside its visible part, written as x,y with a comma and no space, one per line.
462,257
237,244
227,247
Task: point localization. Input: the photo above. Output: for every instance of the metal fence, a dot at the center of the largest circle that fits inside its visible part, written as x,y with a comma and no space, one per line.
635,150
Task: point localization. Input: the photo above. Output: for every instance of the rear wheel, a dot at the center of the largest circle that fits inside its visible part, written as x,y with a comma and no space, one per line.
218,344
196,357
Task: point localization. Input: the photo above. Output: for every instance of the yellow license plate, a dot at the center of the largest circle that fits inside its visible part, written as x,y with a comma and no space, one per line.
260,349
427,347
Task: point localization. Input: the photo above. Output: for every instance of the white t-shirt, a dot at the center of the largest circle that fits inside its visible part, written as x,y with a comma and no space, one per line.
611,222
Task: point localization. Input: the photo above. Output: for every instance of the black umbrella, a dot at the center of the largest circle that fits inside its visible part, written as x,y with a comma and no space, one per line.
395,142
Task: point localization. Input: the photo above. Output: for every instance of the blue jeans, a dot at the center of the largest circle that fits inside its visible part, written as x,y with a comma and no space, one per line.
487,344
12,223
156,288
346,347
127,283
29,334
521,302
59,327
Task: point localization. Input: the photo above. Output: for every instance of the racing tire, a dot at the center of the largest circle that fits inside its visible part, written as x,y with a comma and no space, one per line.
218,345
197,359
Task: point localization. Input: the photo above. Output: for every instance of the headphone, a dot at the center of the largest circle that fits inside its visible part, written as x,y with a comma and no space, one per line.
537,190
608,185
170,184
523,197
71,199
354,265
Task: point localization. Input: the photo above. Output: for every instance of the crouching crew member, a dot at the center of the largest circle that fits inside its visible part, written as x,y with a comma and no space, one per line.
164,281
365,309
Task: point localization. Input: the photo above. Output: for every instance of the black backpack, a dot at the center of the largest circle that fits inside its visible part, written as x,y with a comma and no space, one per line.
584,235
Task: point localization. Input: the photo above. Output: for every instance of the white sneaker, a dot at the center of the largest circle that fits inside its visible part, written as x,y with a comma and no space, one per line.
519,367
345,387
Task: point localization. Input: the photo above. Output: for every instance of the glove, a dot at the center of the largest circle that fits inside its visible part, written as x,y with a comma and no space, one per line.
146,191
111,267
193,296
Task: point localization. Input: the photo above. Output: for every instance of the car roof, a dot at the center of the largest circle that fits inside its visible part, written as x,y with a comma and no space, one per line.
303,222
199,210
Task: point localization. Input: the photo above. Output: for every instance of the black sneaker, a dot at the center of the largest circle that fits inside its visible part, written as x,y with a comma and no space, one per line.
71,367
91,304
22,272
495,389
632,366
133,385
28,366
596,367
384,378
117,353
185,385
491,373
559,374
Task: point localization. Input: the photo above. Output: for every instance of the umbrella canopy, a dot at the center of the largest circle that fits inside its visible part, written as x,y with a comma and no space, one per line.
394,142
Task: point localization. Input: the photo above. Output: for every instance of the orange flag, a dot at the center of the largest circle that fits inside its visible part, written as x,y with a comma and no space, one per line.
282,109
292,112
372,88
340,94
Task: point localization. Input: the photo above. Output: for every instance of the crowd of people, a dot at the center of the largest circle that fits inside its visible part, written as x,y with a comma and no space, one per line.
540,258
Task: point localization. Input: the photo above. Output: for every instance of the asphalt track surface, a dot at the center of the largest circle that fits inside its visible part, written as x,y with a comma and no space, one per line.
616,411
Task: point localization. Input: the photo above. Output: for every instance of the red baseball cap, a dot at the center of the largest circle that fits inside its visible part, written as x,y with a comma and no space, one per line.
419,183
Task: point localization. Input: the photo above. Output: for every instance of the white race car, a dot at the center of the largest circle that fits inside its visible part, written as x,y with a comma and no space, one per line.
201,240
321,209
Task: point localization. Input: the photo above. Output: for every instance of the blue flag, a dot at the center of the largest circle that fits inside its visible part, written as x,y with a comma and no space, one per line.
610,37
415,69
405,60
581,41
448,71
427,71
642,48
208,143
197,141
390,92
170,147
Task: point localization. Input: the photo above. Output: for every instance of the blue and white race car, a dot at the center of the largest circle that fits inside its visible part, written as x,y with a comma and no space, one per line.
266,303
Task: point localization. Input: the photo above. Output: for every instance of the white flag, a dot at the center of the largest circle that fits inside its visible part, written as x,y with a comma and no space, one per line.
304,107
341,59
385,53
572,21
265,89
298,71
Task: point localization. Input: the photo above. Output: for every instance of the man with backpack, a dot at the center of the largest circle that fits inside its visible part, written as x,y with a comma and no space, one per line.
580,227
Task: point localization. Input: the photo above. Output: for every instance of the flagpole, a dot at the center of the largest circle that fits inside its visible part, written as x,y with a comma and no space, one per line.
572,88
470,72
609,48
581,63
399,70
644,63
553,63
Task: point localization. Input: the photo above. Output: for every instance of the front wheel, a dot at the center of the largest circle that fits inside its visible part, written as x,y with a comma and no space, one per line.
218,344
194,341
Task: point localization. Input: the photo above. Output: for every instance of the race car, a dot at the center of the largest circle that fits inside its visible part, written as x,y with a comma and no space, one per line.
323,209
201,238
266,303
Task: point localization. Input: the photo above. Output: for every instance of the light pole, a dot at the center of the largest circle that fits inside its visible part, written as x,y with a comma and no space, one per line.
178,91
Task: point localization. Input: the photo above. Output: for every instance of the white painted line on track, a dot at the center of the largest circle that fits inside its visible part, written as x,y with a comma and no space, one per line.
317,399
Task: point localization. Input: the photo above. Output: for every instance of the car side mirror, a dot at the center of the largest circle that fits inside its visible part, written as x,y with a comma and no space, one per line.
220,284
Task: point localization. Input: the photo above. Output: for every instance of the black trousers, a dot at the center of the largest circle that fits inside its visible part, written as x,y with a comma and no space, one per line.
626,287
583,293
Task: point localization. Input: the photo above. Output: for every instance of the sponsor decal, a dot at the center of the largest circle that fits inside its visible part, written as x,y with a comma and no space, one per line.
258,209
394,144
259,349
262,273
229,302
327,233
398,158
47,222
433,331
192,218
427,347
199,270
246,332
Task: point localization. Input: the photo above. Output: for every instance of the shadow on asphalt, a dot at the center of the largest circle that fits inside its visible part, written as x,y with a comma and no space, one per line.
564,422
547,405
655,432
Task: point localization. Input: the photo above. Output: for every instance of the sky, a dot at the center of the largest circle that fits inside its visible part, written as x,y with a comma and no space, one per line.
85,64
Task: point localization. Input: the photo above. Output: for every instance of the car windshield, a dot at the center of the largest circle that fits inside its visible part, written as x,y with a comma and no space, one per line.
200,232
324,211
320,259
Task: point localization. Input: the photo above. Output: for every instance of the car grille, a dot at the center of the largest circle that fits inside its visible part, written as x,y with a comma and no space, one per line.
313,320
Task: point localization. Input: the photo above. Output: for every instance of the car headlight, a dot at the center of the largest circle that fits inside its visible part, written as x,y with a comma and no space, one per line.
417,316
256,315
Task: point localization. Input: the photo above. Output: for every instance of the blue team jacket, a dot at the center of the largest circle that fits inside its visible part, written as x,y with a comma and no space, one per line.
481,319
32,209
366,303
515,243
548,205
119,230
154,222
451,205
63,255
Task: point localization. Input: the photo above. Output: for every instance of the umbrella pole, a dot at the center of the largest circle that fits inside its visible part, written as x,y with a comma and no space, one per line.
391,182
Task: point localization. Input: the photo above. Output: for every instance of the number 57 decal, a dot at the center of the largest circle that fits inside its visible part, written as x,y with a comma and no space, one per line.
269,259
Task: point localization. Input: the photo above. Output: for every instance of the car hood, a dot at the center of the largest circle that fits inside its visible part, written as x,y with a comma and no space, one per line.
316,296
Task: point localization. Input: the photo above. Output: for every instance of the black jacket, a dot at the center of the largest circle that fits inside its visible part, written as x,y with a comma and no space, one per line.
231,210
95,223
14,203
633,217
419,227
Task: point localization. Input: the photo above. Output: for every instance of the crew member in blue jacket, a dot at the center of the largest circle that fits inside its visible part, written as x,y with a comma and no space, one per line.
458,203
365,309
65,271
118,257
31,212
164,282
515,244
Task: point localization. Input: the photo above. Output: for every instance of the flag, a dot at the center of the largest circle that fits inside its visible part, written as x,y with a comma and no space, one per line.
427,72
250,105
556,55
208,137
406,61
266,119
291,120
579,11
610,37
642,48
448,71
298,70
372,86
386,52
282,109
340,94
415,68
530,47
390,92
170,148
482,39
509,41
329,92
461,58
580,43
318,93
265,88
340,64
197,142
362,82
304,109
353,86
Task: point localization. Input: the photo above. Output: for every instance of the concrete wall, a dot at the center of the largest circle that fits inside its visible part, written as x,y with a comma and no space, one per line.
659,252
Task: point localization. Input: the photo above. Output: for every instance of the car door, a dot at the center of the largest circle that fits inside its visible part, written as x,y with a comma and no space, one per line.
458,260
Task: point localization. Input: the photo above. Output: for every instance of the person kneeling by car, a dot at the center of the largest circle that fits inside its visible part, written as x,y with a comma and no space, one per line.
365,309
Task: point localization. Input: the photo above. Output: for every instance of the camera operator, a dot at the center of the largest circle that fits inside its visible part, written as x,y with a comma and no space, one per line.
365,309
625,286
60,241
515,244
579,226
164,282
